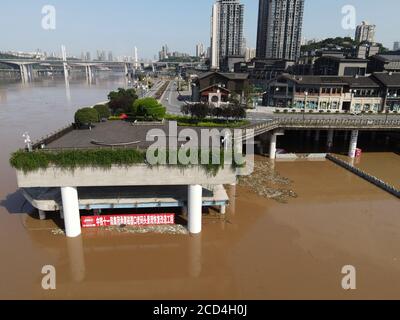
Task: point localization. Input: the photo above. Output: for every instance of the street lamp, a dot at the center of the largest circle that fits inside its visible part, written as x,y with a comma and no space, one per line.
27,141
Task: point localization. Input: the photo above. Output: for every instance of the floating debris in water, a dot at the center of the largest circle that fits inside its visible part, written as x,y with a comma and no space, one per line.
266,182
163,229
58,232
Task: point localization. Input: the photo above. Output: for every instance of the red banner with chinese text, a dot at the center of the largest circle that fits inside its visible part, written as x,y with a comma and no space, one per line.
128,219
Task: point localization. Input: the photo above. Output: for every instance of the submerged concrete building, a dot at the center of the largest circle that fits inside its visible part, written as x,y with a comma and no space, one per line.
70,190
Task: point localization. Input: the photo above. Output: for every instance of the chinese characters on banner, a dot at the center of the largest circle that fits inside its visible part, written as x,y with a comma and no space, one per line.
128,219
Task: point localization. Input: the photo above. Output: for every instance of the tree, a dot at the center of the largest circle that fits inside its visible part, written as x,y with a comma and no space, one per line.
234,99
103,110
122,99
86,116
148,108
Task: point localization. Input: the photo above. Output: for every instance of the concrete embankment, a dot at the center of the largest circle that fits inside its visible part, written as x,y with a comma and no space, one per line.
374,180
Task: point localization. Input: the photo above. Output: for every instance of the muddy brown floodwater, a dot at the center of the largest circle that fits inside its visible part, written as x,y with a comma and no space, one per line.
263,249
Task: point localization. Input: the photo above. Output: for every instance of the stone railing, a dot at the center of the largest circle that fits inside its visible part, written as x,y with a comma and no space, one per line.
365,124
52,136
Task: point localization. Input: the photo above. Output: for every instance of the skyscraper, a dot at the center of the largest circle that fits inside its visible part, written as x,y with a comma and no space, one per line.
280,25
365,32
226,30
396,46
110,56
199,50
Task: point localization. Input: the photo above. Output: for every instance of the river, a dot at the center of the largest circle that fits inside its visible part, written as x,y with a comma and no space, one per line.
262,249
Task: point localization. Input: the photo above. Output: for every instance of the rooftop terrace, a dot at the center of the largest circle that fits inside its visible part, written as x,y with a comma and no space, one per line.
113,134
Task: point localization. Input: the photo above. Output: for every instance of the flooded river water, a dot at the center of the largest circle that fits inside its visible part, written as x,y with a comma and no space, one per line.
263,249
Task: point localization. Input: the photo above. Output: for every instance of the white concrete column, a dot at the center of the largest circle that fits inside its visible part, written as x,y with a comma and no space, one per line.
30,72
353,144
90,75
195,205
272,147
329,142
21,70
222,209
42,215
70,204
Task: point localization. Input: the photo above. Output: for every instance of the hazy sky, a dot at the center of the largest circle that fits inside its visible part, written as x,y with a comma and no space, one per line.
119,25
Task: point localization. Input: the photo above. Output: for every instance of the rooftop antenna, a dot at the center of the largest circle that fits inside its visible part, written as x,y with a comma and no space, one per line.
27,141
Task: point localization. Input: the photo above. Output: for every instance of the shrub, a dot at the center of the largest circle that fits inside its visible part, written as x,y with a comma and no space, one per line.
148,108
103,110
285,111
86,116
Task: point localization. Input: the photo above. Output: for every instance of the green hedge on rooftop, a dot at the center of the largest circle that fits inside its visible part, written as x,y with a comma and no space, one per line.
71,159
99,158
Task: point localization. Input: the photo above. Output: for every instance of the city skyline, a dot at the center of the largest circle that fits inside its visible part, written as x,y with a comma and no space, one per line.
182,31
